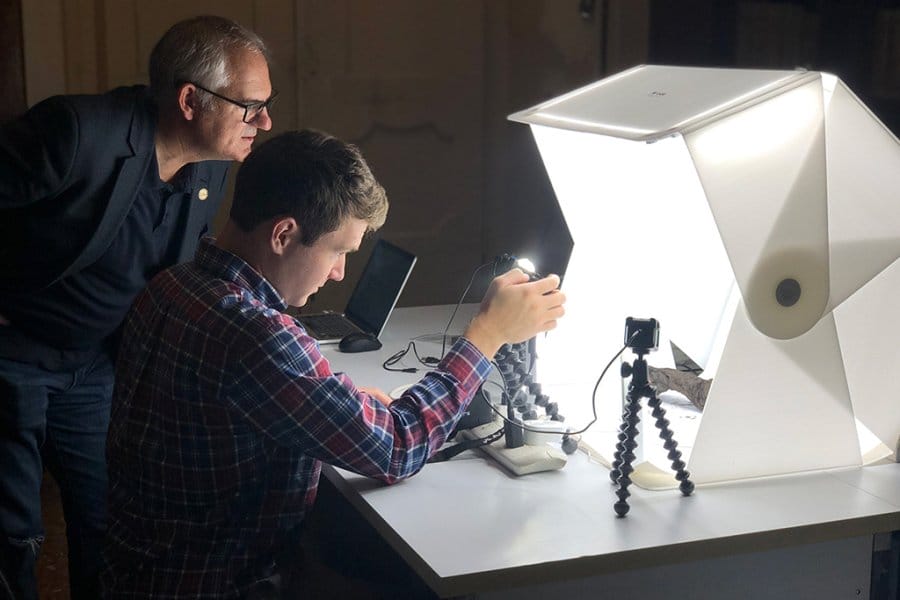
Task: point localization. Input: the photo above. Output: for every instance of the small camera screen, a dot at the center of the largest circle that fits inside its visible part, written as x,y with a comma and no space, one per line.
642,334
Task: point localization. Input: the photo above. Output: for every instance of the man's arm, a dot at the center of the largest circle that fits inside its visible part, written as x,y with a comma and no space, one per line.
289,392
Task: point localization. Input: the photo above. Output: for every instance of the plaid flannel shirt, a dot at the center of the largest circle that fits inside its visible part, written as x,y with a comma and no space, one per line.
224,410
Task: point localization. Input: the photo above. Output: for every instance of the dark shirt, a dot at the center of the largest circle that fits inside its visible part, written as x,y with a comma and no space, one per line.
80,311
71,174
223,410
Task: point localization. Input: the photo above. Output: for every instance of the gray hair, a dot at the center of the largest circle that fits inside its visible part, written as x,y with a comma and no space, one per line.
197,50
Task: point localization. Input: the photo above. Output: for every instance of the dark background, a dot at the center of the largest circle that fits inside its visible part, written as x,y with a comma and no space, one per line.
849,38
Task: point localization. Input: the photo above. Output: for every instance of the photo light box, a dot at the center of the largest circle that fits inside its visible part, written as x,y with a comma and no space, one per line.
755,214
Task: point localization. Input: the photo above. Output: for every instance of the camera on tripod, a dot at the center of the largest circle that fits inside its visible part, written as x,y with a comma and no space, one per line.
642,335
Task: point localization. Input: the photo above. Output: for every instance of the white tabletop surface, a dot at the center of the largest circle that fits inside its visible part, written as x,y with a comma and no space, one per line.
466,523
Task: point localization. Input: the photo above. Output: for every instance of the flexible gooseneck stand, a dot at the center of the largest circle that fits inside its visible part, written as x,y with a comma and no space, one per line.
620,474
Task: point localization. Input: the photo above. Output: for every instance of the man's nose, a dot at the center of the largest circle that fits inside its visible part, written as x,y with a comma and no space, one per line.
263,120
337,272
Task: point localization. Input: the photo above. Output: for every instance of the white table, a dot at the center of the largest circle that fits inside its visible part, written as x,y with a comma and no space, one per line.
468,528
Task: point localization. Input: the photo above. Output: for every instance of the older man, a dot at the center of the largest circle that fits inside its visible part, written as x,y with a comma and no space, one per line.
224,407
97,194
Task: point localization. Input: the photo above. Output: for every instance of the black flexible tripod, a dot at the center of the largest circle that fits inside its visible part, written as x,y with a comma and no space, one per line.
638,388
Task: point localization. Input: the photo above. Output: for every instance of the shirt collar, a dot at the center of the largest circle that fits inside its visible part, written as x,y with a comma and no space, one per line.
230,267
187,180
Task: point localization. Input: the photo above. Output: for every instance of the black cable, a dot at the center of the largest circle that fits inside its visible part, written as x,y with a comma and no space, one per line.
428,361
459,303
593,396
458,448
597,385
431,361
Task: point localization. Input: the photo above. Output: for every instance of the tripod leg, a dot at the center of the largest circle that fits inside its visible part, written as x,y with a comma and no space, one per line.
659,413
614,472
631,418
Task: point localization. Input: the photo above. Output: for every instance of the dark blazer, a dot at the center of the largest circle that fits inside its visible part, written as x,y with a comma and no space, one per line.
70,169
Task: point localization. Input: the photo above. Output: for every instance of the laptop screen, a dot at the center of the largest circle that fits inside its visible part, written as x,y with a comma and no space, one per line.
379,287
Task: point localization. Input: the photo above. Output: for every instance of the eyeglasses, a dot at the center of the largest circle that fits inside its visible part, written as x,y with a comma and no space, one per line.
251,109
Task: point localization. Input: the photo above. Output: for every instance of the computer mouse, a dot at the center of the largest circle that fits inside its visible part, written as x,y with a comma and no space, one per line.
359,341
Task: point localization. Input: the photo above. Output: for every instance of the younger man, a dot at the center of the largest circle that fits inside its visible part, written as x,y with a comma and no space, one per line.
224,408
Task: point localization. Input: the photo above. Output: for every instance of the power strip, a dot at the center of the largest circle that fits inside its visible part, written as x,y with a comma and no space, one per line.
522,460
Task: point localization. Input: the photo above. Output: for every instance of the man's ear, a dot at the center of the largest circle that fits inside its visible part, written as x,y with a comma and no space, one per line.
285,232
188,102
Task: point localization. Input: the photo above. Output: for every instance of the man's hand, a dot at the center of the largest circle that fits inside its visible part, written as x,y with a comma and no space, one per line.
378,395
515,309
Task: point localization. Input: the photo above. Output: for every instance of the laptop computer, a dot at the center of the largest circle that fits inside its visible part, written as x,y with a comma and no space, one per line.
373,298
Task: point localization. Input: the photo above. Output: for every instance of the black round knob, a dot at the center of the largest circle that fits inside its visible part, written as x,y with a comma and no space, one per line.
625,370
569,444
787,292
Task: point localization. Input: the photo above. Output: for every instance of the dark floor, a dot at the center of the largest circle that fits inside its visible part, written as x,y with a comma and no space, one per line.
52,572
